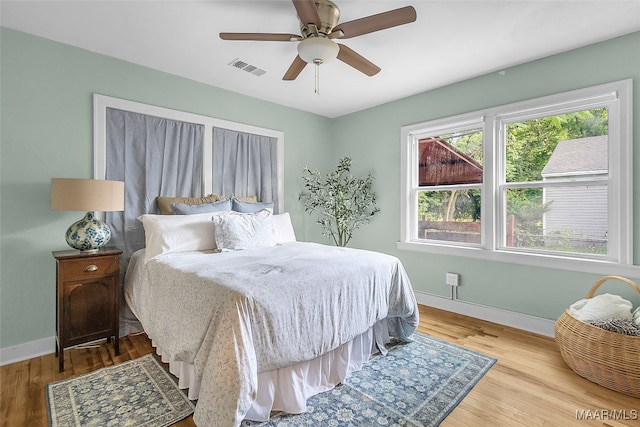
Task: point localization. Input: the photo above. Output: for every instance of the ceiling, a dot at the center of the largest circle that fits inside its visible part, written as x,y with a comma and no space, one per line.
450,41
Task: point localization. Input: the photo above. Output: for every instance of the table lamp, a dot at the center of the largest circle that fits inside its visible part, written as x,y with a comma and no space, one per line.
89,195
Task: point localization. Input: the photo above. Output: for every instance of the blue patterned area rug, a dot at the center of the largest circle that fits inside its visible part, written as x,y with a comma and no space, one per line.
415,384
136,393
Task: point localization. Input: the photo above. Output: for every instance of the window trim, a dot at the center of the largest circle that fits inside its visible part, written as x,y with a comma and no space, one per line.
618,95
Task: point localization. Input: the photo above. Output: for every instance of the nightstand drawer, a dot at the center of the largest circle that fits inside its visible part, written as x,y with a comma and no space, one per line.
90,268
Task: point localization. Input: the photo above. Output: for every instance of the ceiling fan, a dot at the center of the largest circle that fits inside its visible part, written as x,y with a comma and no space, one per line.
319,28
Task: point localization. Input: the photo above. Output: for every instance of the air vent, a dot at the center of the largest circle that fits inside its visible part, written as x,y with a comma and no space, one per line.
251,69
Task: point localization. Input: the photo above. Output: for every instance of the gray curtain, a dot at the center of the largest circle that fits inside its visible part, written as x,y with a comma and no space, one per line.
245,165
154,157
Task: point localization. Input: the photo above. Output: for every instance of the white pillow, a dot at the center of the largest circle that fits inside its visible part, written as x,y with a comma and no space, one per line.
177,233
282,228
235,230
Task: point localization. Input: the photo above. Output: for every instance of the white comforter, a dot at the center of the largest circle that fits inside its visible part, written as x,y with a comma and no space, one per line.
234,314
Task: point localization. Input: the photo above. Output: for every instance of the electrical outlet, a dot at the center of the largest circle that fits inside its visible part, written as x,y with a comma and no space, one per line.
452,279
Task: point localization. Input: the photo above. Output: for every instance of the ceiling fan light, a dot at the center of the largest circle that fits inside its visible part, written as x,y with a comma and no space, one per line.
315,49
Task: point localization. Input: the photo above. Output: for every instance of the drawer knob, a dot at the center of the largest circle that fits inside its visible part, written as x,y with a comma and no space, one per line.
91,268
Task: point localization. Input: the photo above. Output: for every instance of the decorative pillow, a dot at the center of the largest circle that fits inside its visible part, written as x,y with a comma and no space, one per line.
184,209
282,228
177,233
164,203
239,205
235,230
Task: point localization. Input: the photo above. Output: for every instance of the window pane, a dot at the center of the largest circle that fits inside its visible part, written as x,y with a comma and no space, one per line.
561,146
454,158
566,219
452,216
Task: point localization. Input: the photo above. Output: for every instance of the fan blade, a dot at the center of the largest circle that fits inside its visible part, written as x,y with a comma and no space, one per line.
357,61
378,22
295,69
307,12
267,37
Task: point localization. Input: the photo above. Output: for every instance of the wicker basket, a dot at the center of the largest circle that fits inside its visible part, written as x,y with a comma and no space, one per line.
606,358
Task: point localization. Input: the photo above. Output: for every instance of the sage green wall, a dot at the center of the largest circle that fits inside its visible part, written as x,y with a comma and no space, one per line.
372,139
47,131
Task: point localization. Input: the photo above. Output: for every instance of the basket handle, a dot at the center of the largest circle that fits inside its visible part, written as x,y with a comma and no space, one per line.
605,278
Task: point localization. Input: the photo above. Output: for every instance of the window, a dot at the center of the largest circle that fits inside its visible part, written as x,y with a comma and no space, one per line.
540,182
450,172
554,184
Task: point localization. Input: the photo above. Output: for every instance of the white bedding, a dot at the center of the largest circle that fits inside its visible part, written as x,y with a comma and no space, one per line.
239,313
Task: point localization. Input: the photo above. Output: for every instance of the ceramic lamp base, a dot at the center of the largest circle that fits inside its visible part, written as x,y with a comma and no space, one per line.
89,234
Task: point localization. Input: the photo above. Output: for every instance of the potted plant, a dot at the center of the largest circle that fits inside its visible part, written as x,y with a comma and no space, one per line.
343,202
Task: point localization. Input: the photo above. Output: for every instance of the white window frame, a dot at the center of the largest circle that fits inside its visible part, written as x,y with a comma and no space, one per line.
616,96
102,102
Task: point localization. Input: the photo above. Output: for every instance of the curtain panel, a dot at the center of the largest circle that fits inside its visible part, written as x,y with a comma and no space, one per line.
245,164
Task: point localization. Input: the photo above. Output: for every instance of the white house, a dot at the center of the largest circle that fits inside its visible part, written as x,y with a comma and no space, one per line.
576,215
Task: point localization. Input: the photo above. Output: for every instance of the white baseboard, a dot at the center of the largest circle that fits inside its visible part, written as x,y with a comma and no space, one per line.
525,322
28,350
513,319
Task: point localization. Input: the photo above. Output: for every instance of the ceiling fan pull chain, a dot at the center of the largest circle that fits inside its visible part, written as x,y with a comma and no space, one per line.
317,63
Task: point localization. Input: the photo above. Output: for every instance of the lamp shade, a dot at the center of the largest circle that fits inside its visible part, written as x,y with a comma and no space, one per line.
317,50
71,194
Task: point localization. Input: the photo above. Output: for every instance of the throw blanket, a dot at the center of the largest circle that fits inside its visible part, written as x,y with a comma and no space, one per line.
234,314
601,308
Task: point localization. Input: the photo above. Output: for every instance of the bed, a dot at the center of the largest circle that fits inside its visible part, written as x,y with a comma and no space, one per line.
251,320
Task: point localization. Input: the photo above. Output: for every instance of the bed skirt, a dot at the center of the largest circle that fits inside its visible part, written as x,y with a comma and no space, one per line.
287,389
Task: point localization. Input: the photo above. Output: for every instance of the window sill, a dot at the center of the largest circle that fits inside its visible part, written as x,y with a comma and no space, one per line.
594,266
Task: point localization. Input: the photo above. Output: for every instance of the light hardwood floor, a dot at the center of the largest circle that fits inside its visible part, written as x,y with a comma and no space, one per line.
530,385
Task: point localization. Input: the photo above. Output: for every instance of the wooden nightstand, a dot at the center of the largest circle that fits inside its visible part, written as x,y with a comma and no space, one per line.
88,293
